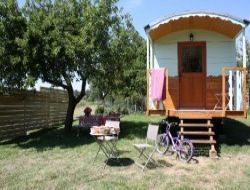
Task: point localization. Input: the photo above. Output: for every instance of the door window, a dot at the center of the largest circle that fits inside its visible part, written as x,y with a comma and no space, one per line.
191,59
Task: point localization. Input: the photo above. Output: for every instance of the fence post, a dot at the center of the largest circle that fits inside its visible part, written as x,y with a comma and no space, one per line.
24,113
47,108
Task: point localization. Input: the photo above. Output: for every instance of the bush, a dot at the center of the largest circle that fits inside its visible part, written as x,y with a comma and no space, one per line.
124,111
99,110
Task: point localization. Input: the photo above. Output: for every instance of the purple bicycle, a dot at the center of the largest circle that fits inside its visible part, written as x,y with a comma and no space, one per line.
183,148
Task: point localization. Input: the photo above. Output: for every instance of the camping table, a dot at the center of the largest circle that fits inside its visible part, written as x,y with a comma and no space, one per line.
107,143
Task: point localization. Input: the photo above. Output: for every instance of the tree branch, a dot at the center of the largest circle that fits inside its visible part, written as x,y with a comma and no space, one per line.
56,83
69,85
82,93
105,94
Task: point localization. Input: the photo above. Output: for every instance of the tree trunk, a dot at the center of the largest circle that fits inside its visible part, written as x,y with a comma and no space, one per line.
103,101
70,113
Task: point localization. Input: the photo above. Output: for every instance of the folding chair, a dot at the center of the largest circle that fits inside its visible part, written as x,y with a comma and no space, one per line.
116,125
113,124
151,137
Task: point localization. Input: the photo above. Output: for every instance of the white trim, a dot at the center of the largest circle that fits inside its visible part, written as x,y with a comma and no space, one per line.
244,53
211,15
147,53
151,55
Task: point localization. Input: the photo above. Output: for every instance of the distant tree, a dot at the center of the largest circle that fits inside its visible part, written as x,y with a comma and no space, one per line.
68,39
239,53
240,58
13,72
135,72
126,75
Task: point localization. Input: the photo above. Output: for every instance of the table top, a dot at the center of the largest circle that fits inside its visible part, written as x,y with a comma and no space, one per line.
102,134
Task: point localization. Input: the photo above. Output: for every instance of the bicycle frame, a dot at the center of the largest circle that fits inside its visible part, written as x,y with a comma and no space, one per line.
182,147
175,140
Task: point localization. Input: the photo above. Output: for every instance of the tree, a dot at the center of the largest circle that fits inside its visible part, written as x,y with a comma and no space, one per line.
240,58
126,76
67,39
135,74
240,53
12,27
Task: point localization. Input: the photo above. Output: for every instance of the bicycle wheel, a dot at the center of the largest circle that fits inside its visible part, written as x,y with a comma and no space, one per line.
162,143
186,150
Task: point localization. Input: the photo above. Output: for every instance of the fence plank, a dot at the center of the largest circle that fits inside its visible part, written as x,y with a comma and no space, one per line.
28,110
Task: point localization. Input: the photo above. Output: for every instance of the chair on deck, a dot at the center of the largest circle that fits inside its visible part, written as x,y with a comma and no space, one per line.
152,133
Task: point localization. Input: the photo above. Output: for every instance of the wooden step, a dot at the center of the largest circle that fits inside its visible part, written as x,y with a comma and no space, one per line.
196,125
197,133
156,112
203,141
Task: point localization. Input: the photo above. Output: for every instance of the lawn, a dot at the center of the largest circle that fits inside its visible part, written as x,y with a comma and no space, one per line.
50,159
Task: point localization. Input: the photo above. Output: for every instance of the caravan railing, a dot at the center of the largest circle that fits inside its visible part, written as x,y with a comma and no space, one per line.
234,89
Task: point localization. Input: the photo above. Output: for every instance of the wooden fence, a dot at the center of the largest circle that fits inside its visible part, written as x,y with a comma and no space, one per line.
28,110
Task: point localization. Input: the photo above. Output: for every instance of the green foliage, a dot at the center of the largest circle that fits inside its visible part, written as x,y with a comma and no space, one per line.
99,110
13,71
123,111
135,72
240,58
68,39
62,40
126,76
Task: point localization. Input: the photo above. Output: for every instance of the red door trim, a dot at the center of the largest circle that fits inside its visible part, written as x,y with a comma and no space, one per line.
204,69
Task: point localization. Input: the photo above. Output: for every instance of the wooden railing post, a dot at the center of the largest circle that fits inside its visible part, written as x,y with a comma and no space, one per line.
166,97
244,92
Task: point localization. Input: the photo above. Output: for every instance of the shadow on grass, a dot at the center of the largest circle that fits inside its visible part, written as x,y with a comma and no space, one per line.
236,133
50,138
159,164
233,133
45,139
130,129
120,162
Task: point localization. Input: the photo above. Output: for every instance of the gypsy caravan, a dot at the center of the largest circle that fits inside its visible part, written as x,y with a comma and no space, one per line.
192,72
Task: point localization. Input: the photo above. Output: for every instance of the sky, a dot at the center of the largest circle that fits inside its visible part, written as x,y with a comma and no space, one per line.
144,12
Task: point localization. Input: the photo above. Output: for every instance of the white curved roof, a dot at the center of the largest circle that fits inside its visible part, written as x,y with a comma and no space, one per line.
222,23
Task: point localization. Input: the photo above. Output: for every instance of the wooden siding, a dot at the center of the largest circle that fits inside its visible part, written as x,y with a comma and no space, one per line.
214,86
28,110
220,54
220,51
196,114
172,101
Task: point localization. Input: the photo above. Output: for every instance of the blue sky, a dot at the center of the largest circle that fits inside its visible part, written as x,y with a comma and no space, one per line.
144,12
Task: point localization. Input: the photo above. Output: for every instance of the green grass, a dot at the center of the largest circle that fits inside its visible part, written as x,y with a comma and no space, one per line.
50,159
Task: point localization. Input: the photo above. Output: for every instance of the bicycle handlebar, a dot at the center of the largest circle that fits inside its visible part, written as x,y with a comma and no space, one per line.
169,124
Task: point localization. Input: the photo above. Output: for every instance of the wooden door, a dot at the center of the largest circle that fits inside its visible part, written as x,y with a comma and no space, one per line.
192,74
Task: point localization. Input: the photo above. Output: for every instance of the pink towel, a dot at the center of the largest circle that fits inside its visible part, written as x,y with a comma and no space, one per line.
157,84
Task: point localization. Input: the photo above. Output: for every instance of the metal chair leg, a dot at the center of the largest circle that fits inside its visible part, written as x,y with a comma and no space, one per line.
97,154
